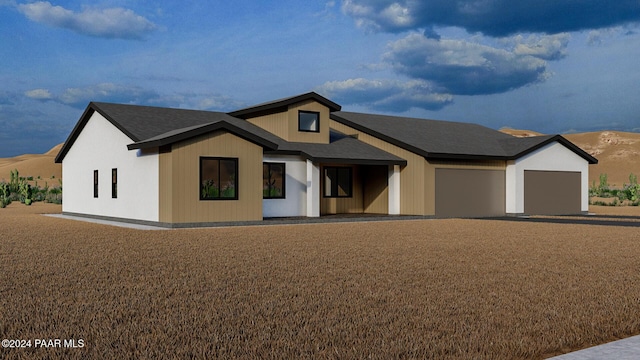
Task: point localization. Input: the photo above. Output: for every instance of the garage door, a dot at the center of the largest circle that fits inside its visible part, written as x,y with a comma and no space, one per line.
470,193
552,192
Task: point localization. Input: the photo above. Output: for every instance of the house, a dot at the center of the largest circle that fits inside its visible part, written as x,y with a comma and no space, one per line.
303,156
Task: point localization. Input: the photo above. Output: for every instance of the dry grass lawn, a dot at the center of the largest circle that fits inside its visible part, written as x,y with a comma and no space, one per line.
442,289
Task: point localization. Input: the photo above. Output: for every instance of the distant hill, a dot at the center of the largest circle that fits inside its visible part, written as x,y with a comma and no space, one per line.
618,153
42,165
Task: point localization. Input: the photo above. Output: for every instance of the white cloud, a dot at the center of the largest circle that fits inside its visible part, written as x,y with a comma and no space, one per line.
386,95
462,67
377,17
108,23
39,94
549,47
80,97
495,18
109,92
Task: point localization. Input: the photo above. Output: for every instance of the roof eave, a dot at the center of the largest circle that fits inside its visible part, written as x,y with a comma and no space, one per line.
284,103
359,161
82,122
220,125
445,156
562,140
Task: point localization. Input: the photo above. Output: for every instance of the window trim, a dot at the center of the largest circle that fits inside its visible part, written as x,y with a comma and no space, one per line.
114,183
95,184
284,179
335,187
317,113
236,180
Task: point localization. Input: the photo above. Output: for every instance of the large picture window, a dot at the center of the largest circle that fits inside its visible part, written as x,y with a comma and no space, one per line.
273,179
309,121
218,178
338,181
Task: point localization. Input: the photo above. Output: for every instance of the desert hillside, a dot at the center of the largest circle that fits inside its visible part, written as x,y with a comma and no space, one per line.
42,165
618,153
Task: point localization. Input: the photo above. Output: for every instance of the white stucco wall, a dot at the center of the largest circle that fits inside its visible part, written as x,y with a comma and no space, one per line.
295,201
101,146
552,157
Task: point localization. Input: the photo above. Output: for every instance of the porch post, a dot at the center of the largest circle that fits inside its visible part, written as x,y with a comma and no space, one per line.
313,189
394,190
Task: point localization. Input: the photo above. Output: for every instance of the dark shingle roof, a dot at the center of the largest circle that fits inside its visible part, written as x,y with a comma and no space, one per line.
149,126
280,104
436,139
341,149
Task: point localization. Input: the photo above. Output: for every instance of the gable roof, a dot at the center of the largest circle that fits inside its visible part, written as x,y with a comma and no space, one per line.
280,104
435,139
149,126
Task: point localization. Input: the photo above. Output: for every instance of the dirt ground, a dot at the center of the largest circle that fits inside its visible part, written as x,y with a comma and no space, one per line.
615,210
442,289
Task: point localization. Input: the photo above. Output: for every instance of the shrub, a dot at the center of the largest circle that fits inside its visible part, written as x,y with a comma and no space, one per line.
4,195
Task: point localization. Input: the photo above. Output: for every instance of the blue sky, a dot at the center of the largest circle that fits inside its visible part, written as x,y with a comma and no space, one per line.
553,66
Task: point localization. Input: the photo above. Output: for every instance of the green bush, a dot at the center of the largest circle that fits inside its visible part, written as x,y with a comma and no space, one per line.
18,189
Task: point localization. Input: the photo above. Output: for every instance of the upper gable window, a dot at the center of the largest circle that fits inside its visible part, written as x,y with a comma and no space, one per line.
309,121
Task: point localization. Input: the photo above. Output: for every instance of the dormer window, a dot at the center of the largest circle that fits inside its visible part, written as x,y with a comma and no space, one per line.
309,121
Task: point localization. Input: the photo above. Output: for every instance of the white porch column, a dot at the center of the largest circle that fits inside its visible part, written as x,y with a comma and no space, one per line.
394,190
313,189
514,190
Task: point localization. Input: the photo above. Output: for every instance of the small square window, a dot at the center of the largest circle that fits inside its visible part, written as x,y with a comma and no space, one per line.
309,121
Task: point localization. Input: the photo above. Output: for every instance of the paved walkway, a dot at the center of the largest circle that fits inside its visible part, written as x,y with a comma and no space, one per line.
107,222
266,222
625,349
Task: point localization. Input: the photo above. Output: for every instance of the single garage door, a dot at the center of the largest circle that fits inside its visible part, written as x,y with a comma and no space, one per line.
552,192
470,193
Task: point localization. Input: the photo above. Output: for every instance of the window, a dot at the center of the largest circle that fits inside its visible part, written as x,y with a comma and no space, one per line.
218,178
337,181
308,121
95,183
114,183
273,176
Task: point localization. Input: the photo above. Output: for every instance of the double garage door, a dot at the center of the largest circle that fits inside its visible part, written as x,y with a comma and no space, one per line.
481,193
